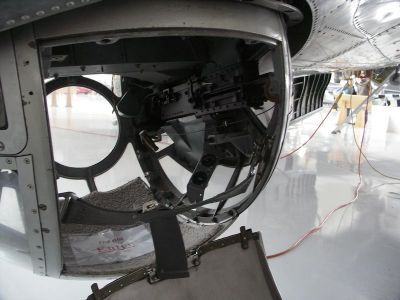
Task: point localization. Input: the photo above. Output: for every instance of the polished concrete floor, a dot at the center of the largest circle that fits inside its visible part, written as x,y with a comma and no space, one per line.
356,254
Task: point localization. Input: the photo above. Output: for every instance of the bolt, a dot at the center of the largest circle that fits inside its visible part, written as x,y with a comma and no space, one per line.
40,258
27,161
40,13
36,231
8,161
2,147
42,206
39,247
10,22
25,17
29,186
45,230
34,211
55,8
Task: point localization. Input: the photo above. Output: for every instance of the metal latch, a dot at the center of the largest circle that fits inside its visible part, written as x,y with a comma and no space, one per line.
243,237
152,276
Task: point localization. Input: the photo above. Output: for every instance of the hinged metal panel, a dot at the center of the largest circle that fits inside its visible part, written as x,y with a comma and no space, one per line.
13,139
221,269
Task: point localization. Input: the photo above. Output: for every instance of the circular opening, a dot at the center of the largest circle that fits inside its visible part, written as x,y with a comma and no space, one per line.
84,128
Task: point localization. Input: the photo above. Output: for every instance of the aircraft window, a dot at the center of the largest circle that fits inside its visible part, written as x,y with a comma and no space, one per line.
196,131
81,120
164,142
178,175
238,199
266,113
13,240
118,174
218,183
3,115
79,187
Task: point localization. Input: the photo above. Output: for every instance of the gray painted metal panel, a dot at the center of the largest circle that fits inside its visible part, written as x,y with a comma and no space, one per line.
16,13
27,189
357,34
226,273
161,15
39,144
13,138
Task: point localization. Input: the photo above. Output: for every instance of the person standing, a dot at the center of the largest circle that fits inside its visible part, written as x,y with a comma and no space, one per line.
348,90
363,85
364,88
349,87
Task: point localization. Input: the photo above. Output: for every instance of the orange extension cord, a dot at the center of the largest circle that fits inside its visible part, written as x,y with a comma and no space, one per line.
330,213
312,135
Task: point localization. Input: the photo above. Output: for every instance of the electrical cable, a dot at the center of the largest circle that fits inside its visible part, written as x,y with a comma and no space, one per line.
312,135
318,227
374,168
330,213
363,154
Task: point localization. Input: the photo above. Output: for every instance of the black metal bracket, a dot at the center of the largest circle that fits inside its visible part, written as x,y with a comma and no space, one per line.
200,178
169,248
96,292
243,237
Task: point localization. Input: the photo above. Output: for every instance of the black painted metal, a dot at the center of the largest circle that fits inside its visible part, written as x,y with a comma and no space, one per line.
169,248
3,115
308,93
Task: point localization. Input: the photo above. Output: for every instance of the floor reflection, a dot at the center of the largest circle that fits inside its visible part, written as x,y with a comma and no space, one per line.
355,255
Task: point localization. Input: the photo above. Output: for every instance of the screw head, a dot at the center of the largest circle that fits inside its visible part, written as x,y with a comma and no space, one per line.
42,206
27,161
